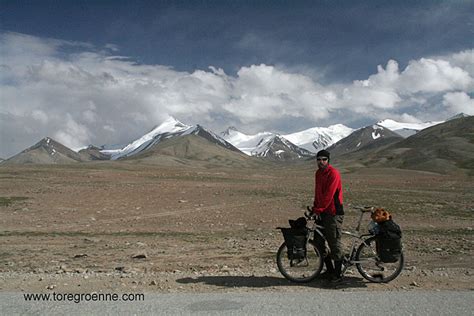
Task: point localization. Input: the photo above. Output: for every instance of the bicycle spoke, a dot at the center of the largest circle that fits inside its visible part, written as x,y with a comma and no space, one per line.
303,270
370,266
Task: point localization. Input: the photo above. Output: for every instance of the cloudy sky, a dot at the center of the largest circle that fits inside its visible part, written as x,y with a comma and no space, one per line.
106,72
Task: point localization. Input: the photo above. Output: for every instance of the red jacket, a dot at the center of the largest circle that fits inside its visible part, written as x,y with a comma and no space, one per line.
328,191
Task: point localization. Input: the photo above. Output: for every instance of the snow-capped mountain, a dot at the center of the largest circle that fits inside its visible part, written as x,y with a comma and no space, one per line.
276,147
367,137
265,145
317,138
459,115
246,143
168,129
310,140
406,129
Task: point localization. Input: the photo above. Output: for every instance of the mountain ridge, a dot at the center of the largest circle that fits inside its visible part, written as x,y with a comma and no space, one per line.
170,128
444,148
264,145
45,151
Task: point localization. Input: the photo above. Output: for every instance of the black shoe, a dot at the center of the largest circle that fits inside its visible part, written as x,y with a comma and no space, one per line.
338,267
336,278
326,275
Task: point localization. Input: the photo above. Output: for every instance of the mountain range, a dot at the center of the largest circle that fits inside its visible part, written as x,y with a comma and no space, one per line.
406,129
444,148
281,147
266,145
173,142
168,129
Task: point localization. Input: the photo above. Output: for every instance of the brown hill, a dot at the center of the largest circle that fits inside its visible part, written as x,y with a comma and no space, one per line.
443,148
192,149
46,151
93,153
369,138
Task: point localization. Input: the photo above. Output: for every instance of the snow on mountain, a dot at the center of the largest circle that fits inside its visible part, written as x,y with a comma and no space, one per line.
276,147
169,128
304,143
263,147
368,137
317,138
459,115
165,130
210,136
312,139
246,143
406,129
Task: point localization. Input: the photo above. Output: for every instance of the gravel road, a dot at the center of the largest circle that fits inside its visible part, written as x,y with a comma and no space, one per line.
262,303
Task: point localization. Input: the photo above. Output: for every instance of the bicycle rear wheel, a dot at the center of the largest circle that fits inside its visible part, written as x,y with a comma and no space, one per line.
371,268
303,270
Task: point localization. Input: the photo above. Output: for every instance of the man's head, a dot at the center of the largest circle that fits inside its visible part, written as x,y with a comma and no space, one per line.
322,158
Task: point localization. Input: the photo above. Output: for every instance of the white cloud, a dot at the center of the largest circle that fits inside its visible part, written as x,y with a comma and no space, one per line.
459,102
262,92
73,134
407,118
89,96
429,75
464,60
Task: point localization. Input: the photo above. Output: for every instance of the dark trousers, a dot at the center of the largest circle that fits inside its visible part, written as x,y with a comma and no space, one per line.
332,232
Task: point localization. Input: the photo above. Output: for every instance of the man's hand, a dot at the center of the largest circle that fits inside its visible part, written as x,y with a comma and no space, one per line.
315,210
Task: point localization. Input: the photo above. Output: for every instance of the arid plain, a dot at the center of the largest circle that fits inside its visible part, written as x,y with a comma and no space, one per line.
122,226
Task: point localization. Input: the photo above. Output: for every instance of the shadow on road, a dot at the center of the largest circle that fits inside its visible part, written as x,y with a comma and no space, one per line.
267,281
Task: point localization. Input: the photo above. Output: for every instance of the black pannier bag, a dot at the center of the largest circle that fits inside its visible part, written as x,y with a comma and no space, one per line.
389,241
295,238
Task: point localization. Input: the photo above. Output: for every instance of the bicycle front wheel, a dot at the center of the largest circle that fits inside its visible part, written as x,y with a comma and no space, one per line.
372,268
301,270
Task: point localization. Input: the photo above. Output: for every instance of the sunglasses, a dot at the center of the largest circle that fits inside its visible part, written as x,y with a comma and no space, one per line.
322,159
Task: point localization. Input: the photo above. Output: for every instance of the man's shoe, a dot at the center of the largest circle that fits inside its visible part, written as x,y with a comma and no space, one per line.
337,272
326,275
336,278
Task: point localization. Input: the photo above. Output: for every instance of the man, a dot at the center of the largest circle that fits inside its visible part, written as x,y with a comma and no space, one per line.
328,205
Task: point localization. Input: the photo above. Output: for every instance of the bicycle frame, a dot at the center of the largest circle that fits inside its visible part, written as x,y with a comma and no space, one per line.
357,238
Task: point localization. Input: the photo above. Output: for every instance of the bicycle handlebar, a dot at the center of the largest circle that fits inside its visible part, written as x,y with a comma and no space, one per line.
309,214
364,209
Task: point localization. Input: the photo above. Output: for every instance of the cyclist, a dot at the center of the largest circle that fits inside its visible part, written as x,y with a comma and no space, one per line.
328,204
